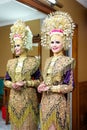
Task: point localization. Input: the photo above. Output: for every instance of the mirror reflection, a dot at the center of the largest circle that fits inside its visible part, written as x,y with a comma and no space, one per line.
34,24
17,10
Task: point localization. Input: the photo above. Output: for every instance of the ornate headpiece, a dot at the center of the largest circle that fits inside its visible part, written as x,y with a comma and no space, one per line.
20,31
57,23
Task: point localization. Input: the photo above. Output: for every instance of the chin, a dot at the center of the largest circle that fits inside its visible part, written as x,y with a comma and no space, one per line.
16,54
56,52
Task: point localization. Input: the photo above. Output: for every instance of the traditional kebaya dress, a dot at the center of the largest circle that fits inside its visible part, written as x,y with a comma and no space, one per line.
55,106
23,103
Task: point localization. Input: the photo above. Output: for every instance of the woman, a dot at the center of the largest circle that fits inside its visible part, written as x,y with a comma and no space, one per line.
57,31
23,77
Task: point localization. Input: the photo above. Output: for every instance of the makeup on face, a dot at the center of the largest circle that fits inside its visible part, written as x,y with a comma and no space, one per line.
56,44
18,47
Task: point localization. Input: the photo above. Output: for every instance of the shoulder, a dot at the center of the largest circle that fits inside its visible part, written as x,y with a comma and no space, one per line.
33,59
10,61
69,61
33,63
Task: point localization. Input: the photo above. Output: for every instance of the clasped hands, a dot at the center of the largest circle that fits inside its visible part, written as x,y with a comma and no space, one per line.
42,87
18,85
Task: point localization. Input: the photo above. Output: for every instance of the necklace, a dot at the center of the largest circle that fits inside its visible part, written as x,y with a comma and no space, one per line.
20,64
49,69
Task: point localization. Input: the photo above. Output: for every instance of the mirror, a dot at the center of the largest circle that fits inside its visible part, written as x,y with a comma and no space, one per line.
36,10
6,20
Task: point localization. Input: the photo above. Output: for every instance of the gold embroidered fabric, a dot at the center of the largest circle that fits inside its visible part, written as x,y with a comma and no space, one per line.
23,104
56,67
18,69
55,106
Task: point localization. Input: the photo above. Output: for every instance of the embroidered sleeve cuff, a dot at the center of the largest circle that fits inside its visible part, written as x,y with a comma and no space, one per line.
32,83
61,88
8,83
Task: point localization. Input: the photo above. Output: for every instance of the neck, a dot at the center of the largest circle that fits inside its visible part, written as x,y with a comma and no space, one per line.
23,55
59,53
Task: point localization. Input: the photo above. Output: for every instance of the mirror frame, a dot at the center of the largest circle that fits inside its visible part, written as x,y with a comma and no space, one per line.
38,5
37,39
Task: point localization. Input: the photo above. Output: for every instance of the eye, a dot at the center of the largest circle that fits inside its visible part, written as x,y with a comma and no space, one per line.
52,42
16,45
57,42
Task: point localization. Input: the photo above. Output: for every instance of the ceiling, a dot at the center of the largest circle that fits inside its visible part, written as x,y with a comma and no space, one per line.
11,10
83,3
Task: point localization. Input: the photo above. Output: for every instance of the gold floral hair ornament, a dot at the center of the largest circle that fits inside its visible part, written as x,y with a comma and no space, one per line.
57,23
20,31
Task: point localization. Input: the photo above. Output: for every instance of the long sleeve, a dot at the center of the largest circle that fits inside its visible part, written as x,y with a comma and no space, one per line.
67,85
7,81
35,79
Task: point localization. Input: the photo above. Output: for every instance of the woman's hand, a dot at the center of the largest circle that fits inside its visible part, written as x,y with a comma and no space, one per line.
42,87
18,85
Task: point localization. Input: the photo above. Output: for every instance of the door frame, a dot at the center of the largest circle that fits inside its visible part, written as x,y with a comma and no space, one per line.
75,93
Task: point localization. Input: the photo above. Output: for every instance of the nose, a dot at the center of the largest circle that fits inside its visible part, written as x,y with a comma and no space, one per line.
54,43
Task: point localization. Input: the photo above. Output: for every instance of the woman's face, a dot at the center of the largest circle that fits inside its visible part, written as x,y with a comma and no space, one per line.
56,44
18,47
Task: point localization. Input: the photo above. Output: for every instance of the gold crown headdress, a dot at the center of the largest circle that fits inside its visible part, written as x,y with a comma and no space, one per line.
20,31
57,22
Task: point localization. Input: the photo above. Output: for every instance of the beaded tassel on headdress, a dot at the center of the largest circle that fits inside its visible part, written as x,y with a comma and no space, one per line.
60,21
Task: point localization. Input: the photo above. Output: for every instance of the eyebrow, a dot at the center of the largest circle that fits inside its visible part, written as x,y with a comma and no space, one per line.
55,41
